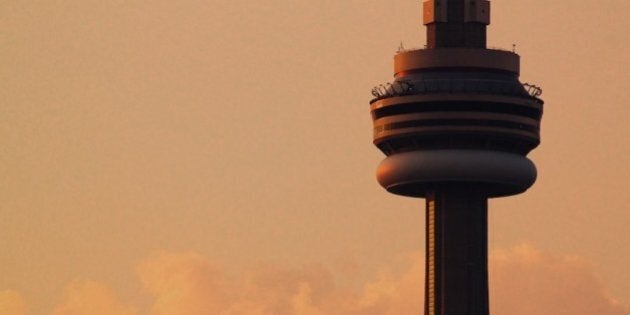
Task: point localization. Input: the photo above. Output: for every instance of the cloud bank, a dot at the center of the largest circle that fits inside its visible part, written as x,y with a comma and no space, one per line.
524,280
12,303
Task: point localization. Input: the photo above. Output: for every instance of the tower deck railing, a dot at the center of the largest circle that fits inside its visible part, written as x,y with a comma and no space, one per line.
402,49
454,85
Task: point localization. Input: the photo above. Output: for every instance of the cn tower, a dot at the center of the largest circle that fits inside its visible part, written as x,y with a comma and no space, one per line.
456,125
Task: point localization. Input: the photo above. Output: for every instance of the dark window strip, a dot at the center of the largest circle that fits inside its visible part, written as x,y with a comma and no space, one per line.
486,107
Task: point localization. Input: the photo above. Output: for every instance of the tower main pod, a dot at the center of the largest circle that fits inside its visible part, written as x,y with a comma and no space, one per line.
456,125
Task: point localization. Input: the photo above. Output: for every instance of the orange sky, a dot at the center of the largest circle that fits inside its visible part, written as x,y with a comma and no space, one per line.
223,148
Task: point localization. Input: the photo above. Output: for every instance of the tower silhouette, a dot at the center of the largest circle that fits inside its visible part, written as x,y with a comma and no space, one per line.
456,125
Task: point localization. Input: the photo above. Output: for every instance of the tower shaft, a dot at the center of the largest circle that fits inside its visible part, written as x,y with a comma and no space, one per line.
456,279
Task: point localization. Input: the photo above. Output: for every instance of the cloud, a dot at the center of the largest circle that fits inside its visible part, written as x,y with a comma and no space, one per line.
184,283
523,280
190,284
392,294
90,297
12,303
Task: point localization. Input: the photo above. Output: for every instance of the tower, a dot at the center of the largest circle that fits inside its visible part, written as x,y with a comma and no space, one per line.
456,126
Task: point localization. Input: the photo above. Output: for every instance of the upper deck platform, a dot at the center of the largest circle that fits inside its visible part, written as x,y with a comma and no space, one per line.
410,61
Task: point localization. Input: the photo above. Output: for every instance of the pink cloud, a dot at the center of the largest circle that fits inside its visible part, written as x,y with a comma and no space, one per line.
524,280
12,303
90,297
184,283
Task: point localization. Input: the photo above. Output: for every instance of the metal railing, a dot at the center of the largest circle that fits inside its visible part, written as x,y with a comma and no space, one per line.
396,88
533,90
400,88
402,49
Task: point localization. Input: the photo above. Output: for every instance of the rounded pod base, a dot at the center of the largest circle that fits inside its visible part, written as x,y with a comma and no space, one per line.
493,173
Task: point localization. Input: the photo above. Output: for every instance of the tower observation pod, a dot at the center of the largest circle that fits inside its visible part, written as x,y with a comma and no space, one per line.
456,125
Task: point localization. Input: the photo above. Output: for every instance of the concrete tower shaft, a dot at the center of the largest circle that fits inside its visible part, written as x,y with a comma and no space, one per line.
456,125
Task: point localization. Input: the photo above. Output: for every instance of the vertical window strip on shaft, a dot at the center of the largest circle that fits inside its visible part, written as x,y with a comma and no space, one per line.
431,256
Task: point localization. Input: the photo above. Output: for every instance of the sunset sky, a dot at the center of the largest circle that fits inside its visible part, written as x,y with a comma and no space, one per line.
215,157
